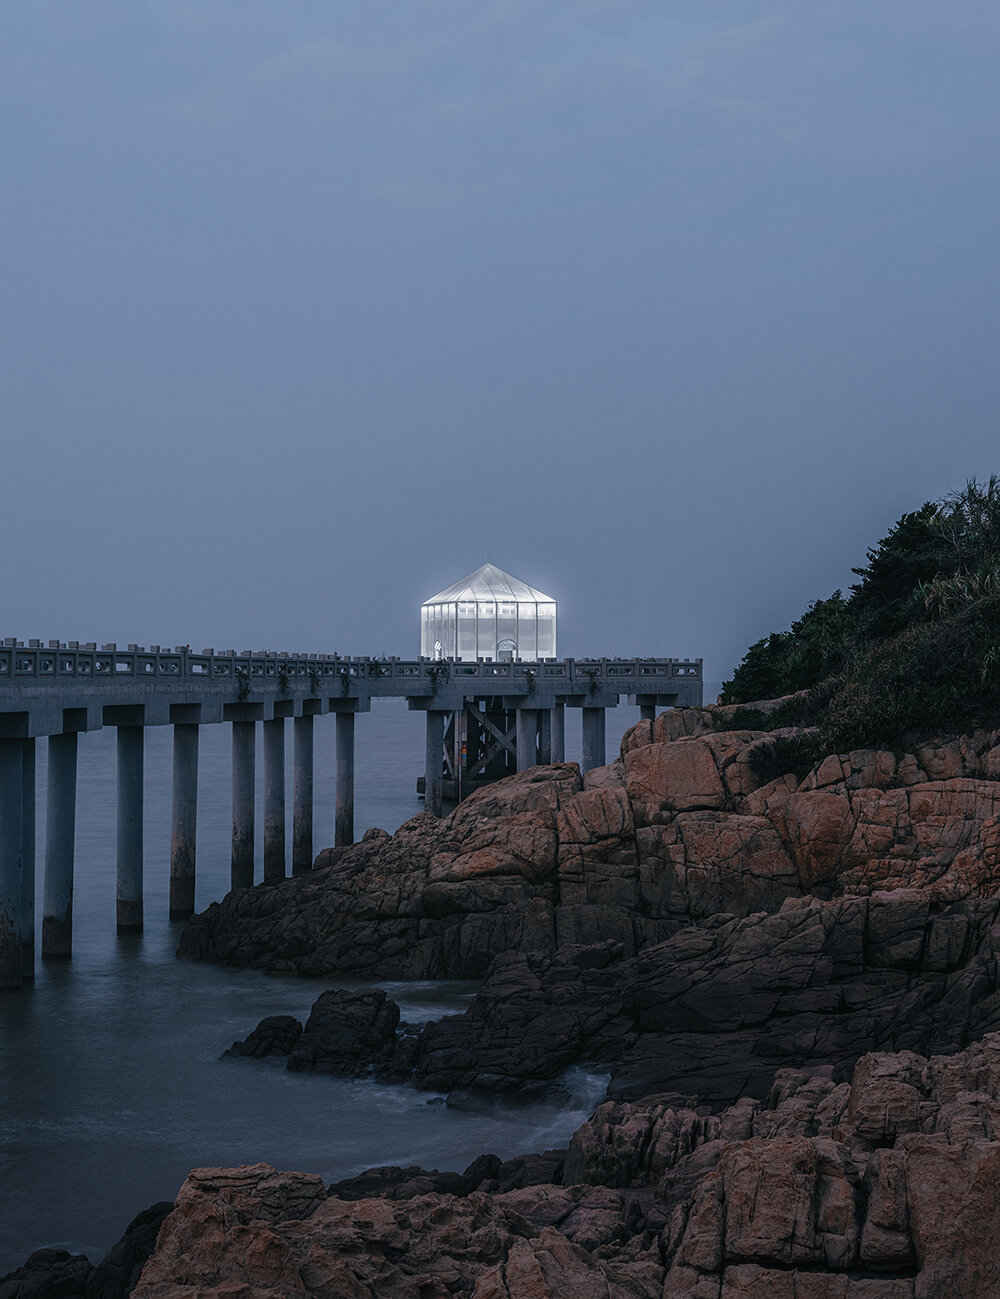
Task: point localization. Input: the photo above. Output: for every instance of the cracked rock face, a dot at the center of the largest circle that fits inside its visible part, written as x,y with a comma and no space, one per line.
746,926
792,979
883,1187
681,829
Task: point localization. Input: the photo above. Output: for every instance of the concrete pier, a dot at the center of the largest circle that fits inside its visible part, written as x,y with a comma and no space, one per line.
545,735
558,715
302,795
527,738
499,714
130,772
593,738
244,772
11,813
28,858
647,712
60,846
434,762
184,821
343,828
274,799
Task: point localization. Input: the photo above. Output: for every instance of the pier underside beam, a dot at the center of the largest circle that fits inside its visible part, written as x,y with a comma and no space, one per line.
244,771
302,795
274,799
60,847
343,829
11,818
130,773
184,821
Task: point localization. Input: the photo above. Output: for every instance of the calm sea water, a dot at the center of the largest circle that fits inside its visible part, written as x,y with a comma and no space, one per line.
111,1085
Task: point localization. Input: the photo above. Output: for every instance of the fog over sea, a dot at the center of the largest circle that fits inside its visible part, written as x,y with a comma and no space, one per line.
111,1082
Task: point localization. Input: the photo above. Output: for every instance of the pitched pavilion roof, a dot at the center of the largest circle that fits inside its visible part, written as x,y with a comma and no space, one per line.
490,583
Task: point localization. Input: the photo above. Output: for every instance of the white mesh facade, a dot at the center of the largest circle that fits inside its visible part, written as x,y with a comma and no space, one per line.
488,615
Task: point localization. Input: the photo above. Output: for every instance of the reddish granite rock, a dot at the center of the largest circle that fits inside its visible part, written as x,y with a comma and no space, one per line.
882,1188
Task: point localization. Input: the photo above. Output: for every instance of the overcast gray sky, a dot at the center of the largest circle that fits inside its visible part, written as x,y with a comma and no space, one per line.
309,308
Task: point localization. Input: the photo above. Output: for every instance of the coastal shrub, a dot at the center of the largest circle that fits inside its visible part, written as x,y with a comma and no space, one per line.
934,676
785,662
914,648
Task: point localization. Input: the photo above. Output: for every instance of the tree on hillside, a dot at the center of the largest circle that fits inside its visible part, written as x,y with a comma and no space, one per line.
915,646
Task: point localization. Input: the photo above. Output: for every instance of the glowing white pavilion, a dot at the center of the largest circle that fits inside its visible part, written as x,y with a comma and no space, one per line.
488,615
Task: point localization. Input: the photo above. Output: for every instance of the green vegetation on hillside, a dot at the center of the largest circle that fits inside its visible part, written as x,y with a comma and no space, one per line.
914,648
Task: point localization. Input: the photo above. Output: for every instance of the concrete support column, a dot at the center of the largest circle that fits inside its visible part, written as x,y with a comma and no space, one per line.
302,795
545,735
274,800
129,892
434,762
60,840
527,732
343,829
11,813
184,821
647,712
593,738
558,714
244,771
28,858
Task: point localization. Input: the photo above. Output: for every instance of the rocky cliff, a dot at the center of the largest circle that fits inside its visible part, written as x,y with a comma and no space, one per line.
684,915
690,824
787,961
883,1187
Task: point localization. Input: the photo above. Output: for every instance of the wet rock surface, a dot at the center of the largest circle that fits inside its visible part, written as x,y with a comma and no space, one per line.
57,1274
883,1186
